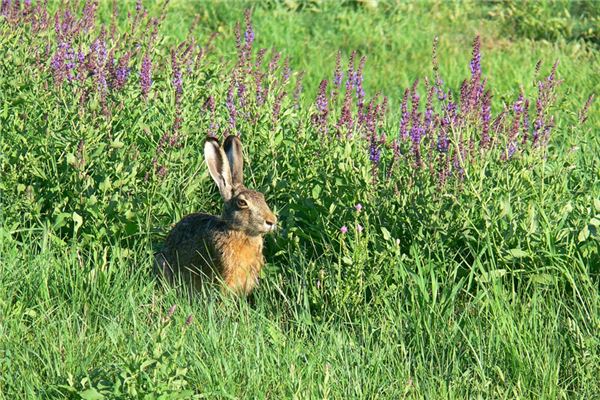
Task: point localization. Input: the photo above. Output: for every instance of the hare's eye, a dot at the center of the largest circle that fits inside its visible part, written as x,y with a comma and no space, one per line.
241,203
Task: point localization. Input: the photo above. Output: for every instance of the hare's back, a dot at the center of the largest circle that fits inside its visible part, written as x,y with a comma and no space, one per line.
192,238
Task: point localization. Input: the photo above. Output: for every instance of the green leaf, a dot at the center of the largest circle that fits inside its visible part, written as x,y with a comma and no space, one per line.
71,159
543,279
517,253
316,191
91,394
584,234
78,220
106,184
61,220
492,275
386,233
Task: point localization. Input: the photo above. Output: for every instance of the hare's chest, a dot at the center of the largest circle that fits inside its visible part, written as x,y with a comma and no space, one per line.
242,262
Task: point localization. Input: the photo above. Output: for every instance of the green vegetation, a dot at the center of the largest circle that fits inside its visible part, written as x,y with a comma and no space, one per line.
472,269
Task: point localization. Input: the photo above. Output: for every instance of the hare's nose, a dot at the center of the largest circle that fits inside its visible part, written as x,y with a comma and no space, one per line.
271,221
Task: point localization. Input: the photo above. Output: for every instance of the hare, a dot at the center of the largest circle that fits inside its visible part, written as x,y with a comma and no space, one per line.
204,247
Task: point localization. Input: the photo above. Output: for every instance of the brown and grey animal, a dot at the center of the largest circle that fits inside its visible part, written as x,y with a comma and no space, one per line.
202,248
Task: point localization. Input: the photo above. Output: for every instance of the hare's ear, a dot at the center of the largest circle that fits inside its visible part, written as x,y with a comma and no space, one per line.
218,167
233,149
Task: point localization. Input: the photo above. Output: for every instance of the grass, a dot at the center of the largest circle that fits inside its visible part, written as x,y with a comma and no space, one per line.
488,288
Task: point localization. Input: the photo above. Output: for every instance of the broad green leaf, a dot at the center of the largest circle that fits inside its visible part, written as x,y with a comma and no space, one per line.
517,253
584,234
386,233
91,394
78,220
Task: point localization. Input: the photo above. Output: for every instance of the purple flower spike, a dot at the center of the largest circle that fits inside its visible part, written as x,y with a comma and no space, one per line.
189,320
583,115
249,34
476,60
359,228
344,229
146,76
177,77
338,75
122,71
405,117
358,207
171,311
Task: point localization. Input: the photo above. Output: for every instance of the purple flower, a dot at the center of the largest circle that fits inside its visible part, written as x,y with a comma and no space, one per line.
177,77
249,34
298,89
230,103
171,311
320,118
374,150
405,117
518,106
277,106
344,229
358,207
525,122
338,75
189,320
475,64
583,115
146,75
486,109
358,80
442,142
350,76
345,119
122,71
286,70
359,228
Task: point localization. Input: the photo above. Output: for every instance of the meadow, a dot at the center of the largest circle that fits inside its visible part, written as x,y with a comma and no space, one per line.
435,167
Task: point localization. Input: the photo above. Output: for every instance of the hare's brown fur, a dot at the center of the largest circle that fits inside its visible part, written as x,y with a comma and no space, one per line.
204,247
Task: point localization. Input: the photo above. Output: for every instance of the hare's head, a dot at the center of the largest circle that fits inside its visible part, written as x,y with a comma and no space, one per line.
245,209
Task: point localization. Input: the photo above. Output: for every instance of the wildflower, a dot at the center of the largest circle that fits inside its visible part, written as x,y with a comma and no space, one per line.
274,63
338,75
298,89
405,117
344,229
350,76
358,80
122,71
345,119
525,122
189,319
286,70
277,106
583,115
358,207
170,312
442,142
177,77
359,228
249,34
374,150
486,109
230,104
320,118
162,171
146,75
475,63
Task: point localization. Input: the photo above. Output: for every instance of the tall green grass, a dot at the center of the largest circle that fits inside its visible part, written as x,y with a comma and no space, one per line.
487,288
